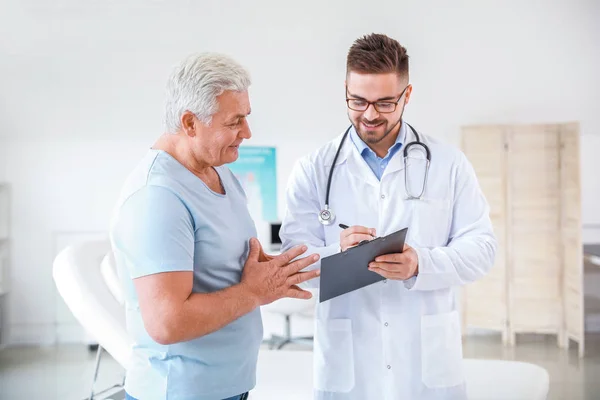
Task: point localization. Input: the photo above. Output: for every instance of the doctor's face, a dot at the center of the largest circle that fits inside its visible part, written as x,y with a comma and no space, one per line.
375,122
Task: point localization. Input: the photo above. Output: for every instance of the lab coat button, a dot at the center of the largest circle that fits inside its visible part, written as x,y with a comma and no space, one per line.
386,324
385,281
383,196
389,367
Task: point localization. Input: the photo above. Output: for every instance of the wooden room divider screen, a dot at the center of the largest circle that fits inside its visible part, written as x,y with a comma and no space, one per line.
530,175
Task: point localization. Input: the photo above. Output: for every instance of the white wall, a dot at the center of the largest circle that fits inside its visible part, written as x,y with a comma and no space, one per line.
590,198
2,163
82,84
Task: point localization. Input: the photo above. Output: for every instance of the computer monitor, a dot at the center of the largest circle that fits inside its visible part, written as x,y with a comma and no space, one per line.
275,239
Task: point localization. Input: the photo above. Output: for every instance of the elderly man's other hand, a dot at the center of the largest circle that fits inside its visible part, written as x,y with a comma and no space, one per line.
279,276
262,256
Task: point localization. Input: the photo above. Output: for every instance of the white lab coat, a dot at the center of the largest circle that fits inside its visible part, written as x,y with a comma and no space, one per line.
394,339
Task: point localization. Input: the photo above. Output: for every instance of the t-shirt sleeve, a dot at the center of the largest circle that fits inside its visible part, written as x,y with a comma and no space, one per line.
154,232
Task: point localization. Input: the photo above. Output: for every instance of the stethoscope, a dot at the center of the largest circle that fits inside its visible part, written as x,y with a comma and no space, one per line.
327,216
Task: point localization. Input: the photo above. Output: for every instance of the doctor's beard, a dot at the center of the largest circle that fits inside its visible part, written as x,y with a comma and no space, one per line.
371,137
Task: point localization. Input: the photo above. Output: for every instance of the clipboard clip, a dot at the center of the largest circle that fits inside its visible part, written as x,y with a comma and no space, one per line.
359,244
364,242
367,241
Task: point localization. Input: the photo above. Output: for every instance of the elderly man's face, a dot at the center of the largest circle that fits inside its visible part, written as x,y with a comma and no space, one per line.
218,143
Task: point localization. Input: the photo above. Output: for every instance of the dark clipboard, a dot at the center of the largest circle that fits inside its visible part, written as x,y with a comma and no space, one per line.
348,271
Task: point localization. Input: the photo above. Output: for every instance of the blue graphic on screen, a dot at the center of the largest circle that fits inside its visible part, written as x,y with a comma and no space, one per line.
255,169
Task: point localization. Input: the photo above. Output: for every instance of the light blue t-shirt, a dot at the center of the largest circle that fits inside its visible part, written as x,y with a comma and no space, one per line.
167,219
376,163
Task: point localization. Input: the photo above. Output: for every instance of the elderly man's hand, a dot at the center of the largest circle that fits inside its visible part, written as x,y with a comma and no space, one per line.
399,266
277,277
262,256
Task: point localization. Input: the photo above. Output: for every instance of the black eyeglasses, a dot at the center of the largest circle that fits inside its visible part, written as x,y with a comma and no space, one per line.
382,107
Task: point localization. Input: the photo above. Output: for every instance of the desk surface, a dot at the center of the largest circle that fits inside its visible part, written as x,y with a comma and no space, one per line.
591,253
592,249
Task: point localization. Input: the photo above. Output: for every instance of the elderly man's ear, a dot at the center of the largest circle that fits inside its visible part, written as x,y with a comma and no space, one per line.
188,123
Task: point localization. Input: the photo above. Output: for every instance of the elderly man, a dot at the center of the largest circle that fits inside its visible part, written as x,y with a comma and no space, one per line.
194,275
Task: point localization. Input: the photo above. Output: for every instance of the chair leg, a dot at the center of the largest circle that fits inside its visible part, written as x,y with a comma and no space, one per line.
287,338
276,342
273,341
96,369
297,339
283,344
288,328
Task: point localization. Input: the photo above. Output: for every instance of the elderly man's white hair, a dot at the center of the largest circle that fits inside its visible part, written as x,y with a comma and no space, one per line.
195,84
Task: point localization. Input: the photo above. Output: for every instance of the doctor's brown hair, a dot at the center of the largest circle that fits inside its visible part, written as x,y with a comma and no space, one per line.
377,54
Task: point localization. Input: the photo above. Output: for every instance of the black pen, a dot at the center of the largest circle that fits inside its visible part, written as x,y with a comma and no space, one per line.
344,226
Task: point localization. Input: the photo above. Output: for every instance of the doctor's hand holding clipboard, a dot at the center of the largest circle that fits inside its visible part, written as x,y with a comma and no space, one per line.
399,266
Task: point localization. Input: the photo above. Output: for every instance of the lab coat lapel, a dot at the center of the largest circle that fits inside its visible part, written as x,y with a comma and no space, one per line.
358,167
396,163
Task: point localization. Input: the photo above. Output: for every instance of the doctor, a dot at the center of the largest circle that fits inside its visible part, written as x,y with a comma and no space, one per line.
399,338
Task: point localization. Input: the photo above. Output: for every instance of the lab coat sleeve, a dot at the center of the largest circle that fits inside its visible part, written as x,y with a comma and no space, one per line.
300,224
471,248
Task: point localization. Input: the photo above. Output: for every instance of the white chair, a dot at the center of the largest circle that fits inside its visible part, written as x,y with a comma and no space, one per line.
108,269
289,308
78,278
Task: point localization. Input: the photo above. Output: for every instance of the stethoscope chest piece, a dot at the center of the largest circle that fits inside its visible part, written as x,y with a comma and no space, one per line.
326,216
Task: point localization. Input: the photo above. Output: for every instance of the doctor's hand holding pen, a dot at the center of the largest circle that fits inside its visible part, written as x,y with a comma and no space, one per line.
354,235
399,266
269,278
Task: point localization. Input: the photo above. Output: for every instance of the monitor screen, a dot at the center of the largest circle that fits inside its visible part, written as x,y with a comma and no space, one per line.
275,227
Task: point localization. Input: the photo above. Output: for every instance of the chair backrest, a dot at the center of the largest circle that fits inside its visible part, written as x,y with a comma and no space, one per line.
77,275
108,269
289,306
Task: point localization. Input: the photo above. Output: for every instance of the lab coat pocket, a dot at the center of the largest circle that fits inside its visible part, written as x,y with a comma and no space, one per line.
334,356
441,350
431,222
